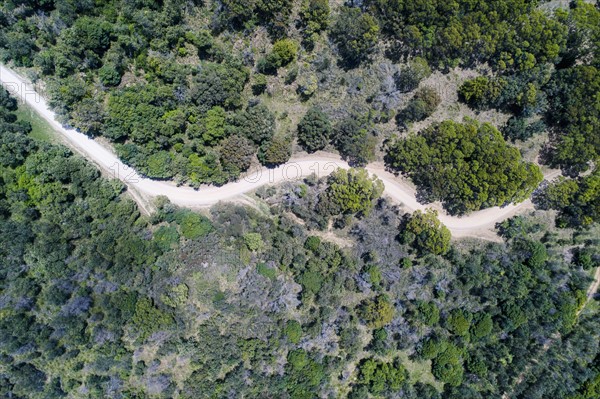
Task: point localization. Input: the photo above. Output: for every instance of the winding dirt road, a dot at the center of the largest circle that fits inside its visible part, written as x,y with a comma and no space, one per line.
477,224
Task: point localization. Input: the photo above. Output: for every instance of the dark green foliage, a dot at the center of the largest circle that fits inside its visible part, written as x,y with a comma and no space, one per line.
256,123
219,84
482,327
355,32
273,14
139,113
509,34
466,166
520,129
458,322
585,258
109,75
235,13
275,152
575,139
420,107
236,155
578,201
409,77
314,130
355,141
429,313
259,84
583,38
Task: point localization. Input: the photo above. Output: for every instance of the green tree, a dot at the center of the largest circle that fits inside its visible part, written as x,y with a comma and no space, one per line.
219,85
350,191
109,75
409,76
276,151
193,225
253,241
315,18
483,327
293,331
467,166
256,123
575,136
314,130
429,313
236,155
459,322
284,51
481,92
447,365
381,377
148,319
421,106
356,34
577,200
376,312
259,84
355,141
425,232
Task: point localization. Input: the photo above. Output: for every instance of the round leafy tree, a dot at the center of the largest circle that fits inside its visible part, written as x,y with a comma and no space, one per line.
468,166
275,152
356,33
256,122
350,191
314,130
426,233
236,155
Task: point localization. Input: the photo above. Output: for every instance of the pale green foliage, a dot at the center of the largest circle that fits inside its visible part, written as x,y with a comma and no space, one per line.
175,296
425,231
351,191
253,241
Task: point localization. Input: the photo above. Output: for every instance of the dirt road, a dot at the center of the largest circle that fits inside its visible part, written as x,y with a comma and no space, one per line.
477,224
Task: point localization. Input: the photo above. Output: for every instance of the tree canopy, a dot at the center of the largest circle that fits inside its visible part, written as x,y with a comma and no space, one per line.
468,166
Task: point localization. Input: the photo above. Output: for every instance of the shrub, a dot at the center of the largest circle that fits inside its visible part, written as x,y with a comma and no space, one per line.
293,331
275,152
421,106
253,241
314,130
376,312
425,232
259,85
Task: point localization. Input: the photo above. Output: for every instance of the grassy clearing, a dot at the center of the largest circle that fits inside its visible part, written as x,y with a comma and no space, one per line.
420,371
40,129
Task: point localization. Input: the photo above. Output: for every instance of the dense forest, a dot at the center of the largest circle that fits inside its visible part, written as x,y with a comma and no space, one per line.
323,288
99,301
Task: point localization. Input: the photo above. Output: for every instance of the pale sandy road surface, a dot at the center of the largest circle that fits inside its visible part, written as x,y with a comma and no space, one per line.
477,224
